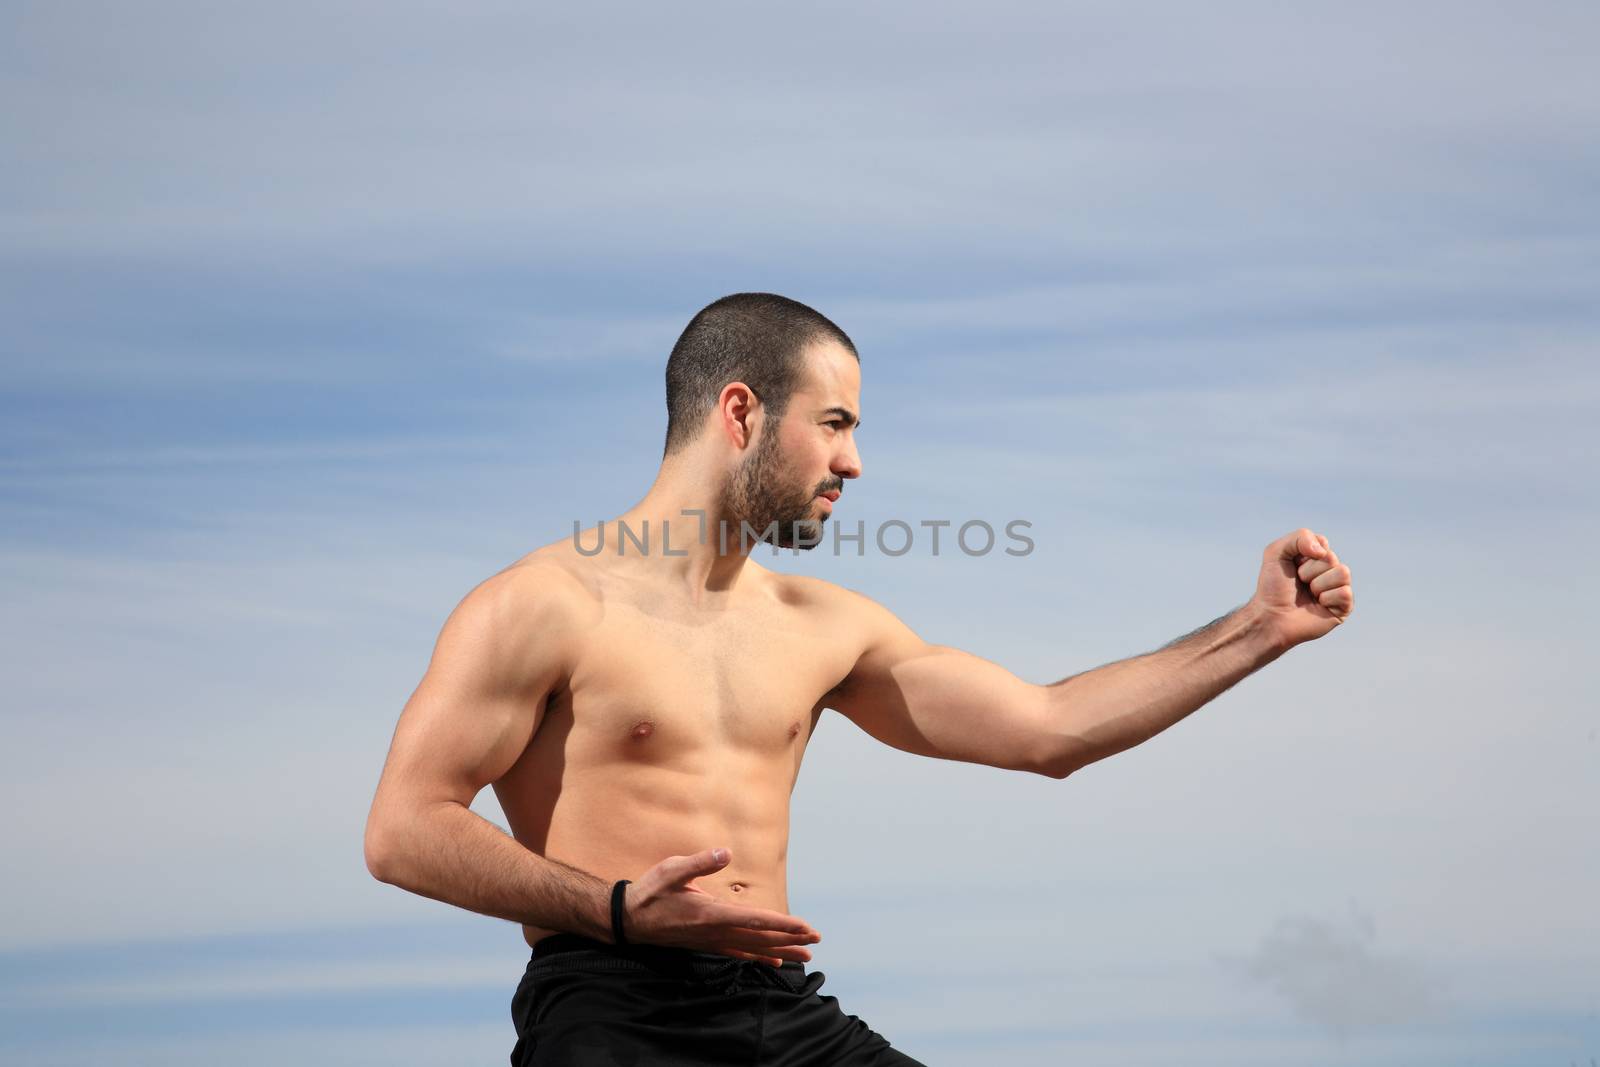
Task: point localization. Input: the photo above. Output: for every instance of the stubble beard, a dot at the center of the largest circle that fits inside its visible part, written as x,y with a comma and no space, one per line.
756,495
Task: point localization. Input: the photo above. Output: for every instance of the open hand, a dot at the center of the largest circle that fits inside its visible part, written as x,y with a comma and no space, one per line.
1304,591
663,908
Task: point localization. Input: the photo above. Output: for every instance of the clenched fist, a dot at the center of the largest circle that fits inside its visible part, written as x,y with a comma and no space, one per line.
1304,591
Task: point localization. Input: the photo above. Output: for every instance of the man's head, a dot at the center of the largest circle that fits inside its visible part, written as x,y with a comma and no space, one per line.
777,387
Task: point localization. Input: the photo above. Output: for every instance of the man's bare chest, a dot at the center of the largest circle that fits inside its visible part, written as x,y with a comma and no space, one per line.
652,684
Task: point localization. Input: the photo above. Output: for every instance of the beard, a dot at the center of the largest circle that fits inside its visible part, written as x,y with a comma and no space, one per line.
757,495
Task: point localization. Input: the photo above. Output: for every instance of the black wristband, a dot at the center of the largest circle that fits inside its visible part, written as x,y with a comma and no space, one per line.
616,912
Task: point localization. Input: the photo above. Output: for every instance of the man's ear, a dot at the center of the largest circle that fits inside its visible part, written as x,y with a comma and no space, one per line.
739,414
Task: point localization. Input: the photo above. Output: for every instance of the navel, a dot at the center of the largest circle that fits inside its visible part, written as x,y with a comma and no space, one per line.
643,729
737,887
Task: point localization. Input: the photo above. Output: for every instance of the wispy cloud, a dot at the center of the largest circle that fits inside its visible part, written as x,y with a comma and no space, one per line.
1333,975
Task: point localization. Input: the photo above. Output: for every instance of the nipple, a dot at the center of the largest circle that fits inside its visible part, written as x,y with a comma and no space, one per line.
794,729
644,729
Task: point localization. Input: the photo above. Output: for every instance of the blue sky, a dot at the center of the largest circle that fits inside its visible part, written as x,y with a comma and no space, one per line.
314,318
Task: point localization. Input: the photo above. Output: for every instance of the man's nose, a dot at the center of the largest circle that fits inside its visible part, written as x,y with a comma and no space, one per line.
849,464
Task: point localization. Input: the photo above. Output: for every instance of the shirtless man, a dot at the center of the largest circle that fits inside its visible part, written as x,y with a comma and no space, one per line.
642,713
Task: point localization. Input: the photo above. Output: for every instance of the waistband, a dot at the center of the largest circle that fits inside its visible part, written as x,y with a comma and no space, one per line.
575,952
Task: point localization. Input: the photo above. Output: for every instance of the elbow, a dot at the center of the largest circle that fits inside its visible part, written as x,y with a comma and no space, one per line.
395,840
379,851
1055,747
1061,759
1057,770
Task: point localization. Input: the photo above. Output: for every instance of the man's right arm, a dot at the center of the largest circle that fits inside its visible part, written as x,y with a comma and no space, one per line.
501,652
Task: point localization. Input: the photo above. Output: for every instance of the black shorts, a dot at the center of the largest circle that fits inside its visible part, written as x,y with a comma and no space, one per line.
588,1003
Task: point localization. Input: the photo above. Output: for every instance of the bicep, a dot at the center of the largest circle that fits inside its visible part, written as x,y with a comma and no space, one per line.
481,700
934,700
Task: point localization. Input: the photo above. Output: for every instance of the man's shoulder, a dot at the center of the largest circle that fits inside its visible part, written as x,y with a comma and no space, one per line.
820,596
544,587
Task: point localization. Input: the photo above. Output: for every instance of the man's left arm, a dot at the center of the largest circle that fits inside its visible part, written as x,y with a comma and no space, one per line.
945,703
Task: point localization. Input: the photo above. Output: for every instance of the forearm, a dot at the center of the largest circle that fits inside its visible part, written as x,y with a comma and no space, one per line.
450,853
1109,709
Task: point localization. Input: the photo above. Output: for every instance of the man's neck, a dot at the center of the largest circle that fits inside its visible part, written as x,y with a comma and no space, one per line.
683,537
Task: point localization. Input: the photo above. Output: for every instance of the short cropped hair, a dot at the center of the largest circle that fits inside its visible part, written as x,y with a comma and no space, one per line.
756,338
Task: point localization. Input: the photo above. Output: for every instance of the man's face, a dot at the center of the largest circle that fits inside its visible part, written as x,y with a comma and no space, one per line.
799,458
